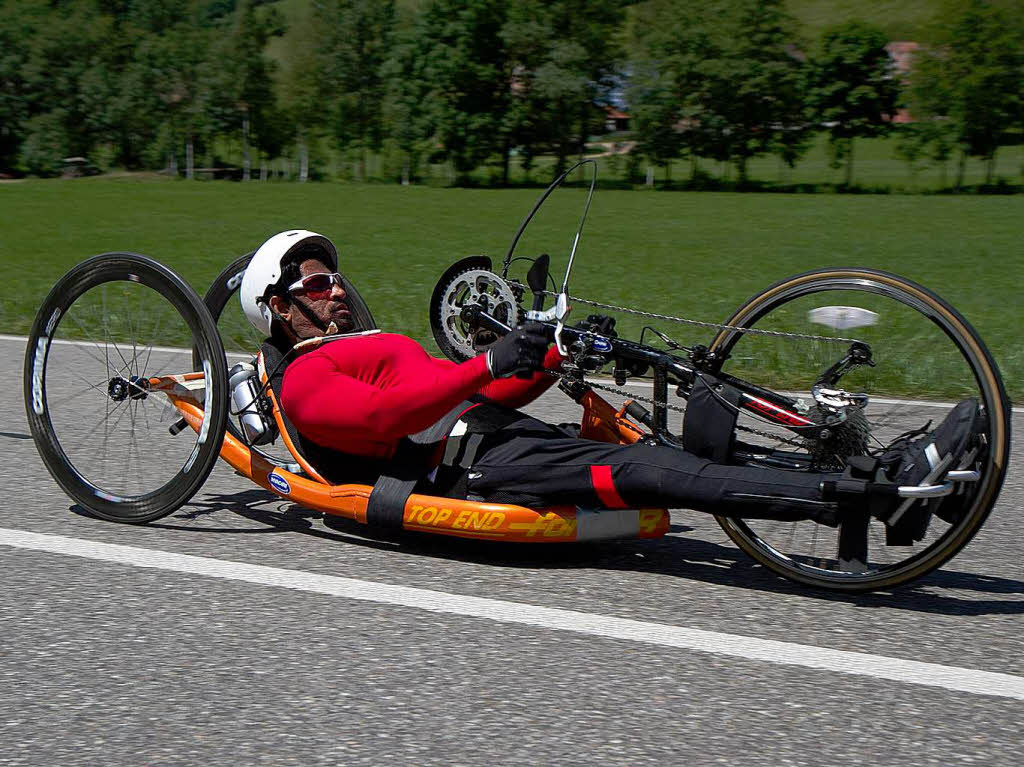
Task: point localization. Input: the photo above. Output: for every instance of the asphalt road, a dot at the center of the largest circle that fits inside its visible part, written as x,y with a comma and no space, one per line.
112,663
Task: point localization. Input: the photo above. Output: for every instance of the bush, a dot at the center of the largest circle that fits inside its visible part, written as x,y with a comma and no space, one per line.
46,144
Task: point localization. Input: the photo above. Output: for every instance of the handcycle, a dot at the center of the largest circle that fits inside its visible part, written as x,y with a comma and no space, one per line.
125,362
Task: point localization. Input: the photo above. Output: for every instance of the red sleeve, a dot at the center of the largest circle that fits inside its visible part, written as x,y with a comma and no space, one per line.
338,411
516,392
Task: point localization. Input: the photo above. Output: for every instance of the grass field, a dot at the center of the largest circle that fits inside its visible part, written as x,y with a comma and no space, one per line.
696,254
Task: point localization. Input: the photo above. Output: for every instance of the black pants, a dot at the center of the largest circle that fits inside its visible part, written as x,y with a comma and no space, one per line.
519,459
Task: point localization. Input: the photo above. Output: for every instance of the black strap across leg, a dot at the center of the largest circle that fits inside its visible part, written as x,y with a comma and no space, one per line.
386,505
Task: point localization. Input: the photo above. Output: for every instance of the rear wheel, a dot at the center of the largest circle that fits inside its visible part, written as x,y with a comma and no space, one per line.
927,357
107,329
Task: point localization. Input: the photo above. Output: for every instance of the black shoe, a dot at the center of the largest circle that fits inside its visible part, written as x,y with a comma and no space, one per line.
925,460
953,507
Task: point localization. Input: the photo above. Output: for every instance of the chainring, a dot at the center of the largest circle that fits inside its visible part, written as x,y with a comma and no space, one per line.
474,286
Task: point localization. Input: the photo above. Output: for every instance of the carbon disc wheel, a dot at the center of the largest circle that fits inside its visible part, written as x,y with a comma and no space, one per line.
926,358
108,330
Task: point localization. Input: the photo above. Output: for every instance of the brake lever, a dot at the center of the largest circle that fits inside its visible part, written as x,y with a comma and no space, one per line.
562,309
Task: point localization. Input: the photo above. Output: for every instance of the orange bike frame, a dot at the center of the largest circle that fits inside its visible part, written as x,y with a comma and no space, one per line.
424,513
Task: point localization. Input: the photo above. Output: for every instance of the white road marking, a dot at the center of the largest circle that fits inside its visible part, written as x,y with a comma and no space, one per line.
748,648
172,349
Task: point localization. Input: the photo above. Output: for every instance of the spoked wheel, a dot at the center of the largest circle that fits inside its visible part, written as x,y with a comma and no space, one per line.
926,358
242,341
100,357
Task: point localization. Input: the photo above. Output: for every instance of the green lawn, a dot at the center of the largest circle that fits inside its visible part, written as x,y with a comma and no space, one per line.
697,254
876,167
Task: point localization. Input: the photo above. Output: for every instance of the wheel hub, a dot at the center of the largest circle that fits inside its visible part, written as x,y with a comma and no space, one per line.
120,388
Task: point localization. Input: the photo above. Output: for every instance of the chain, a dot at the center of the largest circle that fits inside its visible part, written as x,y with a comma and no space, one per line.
677,409
703,324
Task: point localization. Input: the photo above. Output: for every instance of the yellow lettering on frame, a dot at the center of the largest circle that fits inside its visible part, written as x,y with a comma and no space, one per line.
494,520
558,527
649,518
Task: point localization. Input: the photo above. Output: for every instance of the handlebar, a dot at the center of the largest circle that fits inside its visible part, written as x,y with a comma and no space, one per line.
607,348
593,350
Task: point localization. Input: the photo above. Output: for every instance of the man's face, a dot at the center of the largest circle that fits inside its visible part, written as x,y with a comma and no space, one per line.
326,305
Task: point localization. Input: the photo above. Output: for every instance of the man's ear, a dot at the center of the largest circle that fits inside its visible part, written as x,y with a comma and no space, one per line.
281,308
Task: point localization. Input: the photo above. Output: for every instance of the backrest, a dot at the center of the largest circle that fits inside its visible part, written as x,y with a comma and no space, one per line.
323,464
272,367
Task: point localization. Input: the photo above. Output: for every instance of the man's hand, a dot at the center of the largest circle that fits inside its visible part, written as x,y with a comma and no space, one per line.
521,351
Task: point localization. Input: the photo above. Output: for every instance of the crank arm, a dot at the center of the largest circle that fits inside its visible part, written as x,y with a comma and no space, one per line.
476,317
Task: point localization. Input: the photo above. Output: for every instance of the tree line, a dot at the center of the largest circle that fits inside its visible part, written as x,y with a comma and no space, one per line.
183,83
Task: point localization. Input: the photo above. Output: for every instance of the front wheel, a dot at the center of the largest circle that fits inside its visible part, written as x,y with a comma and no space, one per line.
104,343
926,358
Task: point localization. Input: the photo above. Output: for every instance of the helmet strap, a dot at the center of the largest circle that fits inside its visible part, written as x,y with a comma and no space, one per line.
314,320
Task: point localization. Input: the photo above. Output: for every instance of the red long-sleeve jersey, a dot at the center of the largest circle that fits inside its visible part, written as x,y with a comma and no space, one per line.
362,394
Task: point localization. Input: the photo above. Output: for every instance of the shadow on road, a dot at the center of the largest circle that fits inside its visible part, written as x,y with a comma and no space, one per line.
674,555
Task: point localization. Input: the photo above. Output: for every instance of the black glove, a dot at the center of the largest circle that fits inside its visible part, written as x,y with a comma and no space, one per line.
521,351
600,323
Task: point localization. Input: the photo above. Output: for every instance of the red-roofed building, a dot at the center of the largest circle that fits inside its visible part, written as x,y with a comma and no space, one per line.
616,119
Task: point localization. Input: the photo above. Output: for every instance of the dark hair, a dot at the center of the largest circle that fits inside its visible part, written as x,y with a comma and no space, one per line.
290,271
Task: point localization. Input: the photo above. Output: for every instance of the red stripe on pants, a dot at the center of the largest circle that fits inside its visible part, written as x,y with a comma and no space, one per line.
601,479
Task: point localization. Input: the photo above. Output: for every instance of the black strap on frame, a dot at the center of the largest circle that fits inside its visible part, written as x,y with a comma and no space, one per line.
386,505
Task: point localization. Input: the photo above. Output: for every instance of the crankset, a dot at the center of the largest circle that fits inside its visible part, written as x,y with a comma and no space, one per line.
467,284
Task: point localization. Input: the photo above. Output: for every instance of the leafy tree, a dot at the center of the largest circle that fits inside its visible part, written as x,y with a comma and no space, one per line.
16,33
354,44
465,64
563,58
658,114
723,80
855,93
236,85
673,38
66,53
406,111
753,102
968,88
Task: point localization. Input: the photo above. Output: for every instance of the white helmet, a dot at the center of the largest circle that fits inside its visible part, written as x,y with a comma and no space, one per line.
264,270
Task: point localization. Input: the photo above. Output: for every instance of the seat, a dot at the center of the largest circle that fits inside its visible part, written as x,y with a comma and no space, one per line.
332,467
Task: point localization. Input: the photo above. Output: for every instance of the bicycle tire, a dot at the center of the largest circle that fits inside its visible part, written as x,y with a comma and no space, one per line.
781,298
120,272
